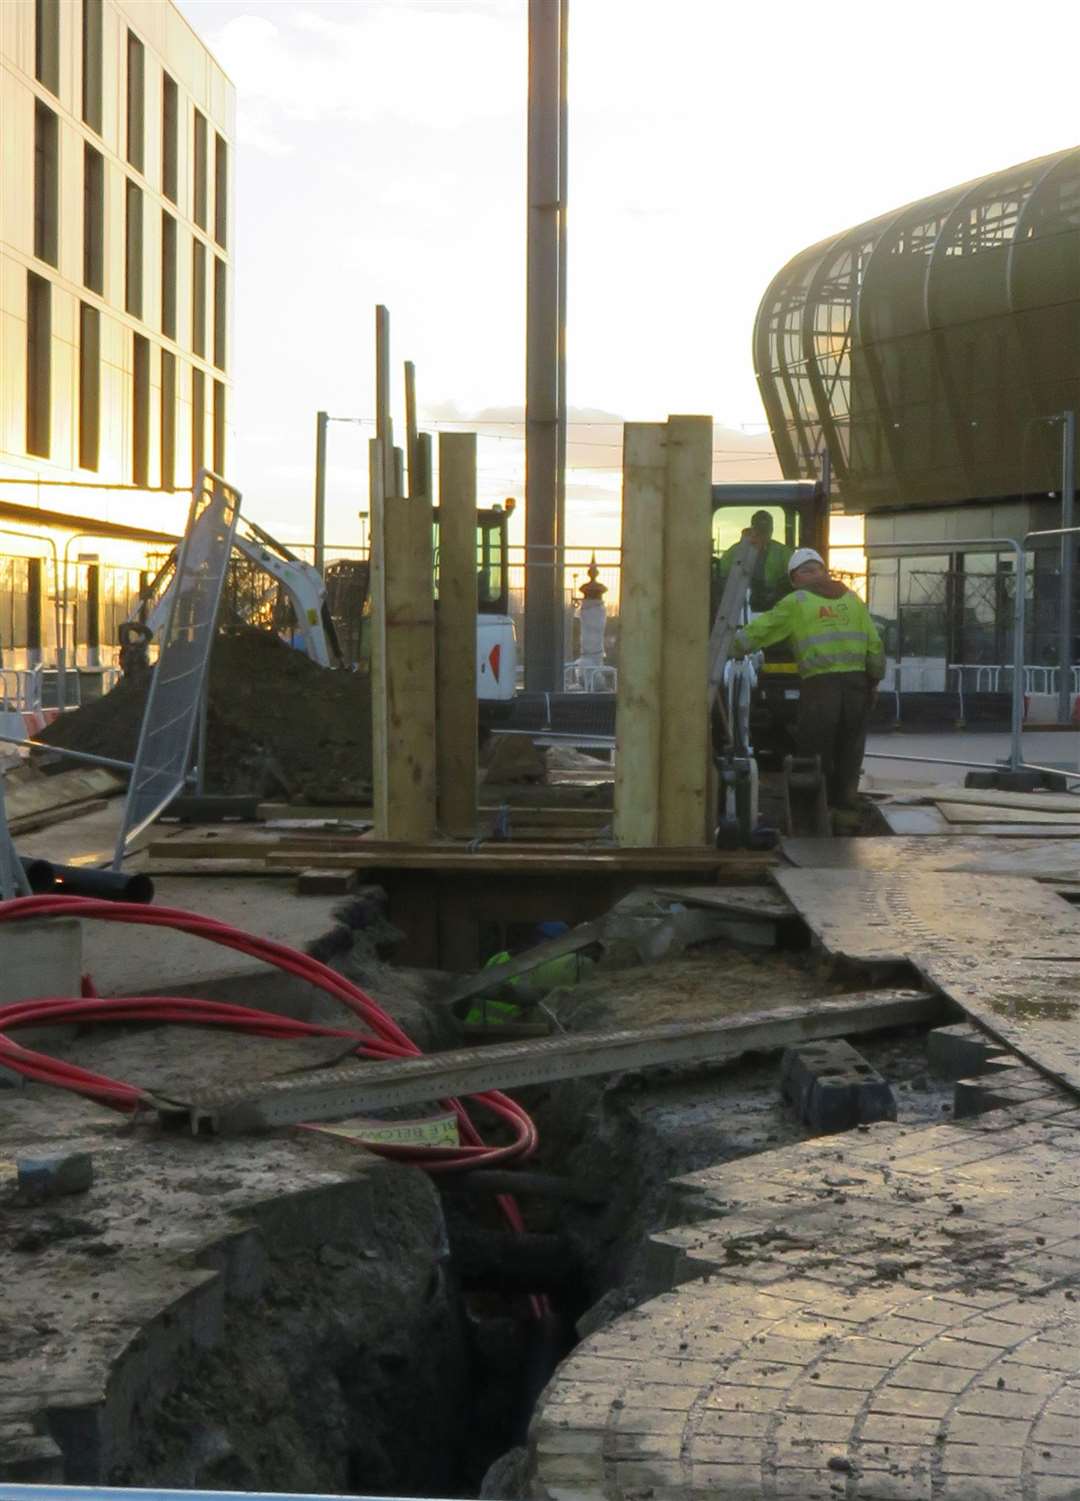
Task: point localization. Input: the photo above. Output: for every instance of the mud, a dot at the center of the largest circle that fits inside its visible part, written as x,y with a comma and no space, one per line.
278,725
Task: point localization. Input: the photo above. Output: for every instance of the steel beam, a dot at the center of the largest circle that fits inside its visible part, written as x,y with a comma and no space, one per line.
353,1088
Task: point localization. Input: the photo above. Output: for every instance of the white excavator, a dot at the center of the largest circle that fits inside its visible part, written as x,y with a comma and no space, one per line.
329,628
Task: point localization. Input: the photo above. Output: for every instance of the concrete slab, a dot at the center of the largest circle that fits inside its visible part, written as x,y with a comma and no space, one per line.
140,961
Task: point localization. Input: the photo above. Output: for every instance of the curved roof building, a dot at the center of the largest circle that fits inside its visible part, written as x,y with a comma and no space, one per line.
929,350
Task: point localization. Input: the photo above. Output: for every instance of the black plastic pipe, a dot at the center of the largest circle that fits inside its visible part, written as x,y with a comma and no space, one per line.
75,880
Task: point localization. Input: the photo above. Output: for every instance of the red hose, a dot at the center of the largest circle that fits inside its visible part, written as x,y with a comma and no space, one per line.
382,1040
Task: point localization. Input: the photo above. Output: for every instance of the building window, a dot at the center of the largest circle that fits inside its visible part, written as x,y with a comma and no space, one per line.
198,423
47,44
140,412
89,386
219,313
46,183
221,191
38,365
133,252
93,220
170,137
219,427
168,420
198,298
199,171
91,64
168,275
136,101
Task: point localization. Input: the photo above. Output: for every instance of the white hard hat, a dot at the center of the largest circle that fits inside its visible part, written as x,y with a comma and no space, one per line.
803,555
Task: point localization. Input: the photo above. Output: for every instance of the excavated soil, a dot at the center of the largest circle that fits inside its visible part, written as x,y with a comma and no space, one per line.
278,725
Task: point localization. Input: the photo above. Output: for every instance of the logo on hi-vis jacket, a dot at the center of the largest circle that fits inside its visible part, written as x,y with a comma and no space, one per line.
839,614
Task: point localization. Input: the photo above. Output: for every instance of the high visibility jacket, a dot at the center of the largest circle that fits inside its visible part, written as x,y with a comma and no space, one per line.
771,566
827,635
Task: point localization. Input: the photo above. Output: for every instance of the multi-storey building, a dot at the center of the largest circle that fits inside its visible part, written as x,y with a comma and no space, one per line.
116,231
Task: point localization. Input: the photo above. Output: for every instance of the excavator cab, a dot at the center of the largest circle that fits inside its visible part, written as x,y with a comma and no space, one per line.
800,516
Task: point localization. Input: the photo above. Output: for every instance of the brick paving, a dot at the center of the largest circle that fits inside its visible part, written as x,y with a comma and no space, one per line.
889,1315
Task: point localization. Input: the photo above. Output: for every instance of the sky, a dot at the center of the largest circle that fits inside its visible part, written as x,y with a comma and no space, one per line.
381,158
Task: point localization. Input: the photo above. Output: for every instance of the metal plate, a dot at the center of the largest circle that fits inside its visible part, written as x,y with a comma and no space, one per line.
1040,859
1005,949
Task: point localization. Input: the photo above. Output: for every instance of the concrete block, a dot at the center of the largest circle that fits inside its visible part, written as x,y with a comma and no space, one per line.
53,1177
960,1051
38,959
833,1088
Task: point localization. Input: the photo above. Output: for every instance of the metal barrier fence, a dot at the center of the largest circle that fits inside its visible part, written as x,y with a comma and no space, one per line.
175,699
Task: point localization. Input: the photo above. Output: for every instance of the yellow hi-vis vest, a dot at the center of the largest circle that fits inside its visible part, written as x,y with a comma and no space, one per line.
827,635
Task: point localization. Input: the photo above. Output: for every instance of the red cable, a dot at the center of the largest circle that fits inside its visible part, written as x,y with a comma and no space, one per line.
386,1039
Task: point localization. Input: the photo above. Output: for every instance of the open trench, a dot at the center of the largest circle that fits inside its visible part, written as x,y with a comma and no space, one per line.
398,1351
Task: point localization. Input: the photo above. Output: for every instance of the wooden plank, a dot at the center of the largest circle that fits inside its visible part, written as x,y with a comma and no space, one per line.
318,882
25,797
403,673
578,938
1045,802
48,817
417,487
509,860
762,902
384,427
324,1094
377,589
637,717
990,813
346,812
684,633
455,691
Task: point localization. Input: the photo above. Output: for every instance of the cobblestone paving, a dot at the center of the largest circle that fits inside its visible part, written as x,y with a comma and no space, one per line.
890,1315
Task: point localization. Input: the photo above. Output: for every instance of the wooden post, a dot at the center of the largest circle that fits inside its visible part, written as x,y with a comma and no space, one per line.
376,587
456,635
402,662
684,633
412,456
384,427
637,723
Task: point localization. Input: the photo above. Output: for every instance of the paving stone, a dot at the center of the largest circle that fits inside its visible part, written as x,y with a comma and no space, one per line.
881,1338
981,1459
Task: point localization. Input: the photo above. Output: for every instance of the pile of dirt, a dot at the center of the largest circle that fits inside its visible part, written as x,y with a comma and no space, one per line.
278,724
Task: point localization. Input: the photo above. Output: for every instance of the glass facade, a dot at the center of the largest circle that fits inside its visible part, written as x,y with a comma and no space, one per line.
925,349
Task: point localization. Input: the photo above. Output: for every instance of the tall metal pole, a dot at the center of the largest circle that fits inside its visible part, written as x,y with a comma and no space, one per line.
542,347
561,652
321,420
1068,553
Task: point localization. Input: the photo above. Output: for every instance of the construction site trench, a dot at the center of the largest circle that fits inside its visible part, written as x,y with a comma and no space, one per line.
284,1311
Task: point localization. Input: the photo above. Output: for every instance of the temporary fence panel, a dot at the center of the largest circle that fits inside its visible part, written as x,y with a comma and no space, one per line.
176,687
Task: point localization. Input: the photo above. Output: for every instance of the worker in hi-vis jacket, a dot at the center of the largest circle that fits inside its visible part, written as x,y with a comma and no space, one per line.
840,660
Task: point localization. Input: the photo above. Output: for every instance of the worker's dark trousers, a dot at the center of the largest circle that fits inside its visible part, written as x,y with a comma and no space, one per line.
833,711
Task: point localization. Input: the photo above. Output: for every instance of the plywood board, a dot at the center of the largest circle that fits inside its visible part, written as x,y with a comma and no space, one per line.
979,813
1045,802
